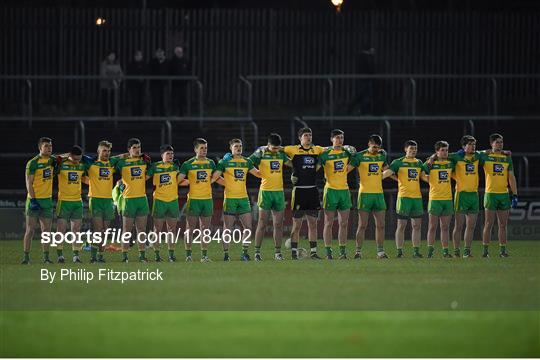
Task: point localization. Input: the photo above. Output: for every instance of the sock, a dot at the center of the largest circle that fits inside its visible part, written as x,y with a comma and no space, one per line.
188,252
445,251
400,251
93,252
204,252
313,246
156,252
341,249
142,254
457,251
485,247
27,255
257,249
358,249
45,255
124,255
431,249
60,252
244,250
416,250
294,248
328,250
502,248
100,254
380,248
277,250
225,251
171,253
75,252
467,251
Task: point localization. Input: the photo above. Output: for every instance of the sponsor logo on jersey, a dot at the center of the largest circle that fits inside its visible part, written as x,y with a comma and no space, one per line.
443,175
373,168
413,173
469,168
308,160
498,168
239,173
104,172
136,171
72,176
274,165
202,175
47,173
339,165
164,178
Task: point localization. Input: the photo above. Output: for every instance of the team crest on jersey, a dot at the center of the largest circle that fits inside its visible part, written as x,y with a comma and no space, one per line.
413,173
164,178
47,173
104,172
72,176
239,173
373,168
274,165
498,168
308,160
136,171
443,175
469,168
339,165
202,175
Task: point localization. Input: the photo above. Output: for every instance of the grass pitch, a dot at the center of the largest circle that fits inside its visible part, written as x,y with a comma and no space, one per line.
408,307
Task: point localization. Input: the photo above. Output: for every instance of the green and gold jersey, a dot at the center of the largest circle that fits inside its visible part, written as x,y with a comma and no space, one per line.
235,174
199,174
271,168
496,168
100,176
370,169
43,170
465,171
165,180
440,186
408,172
334,163
133,171
69,180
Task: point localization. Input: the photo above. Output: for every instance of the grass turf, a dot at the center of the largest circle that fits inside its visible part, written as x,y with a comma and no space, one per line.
490,290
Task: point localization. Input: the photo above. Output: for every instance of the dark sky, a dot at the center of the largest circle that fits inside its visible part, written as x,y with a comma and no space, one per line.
319,5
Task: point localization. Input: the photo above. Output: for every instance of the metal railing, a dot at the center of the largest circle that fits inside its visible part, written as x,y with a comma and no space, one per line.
328,96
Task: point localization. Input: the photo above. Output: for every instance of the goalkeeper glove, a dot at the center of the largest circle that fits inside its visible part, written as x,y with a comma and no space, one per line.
260,152
228,156
294,180
351,149
34,204
514,201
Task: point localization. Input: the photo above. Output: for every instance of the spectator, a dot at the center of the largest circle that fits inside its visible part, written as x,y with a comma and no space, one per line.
158,67
363,101
109,86
179,66
137,88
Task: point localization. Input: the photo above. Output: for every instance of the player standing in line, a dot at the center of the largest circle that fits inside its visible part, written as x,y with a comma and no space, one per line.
440,206
39,205
69,207
409,171
235,168
200,205
371,163
165,208
99,177
135,211
305,199
336,197
270,161
499,172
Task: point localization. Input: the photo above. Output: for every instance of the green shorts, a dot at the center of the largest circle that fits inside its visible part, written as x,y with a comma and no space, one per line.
466,202
46,210
101,208
69,210
271,200
200,207
497,201
236,206
165,209
441,207
371,202
409,207
134,207
336,199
